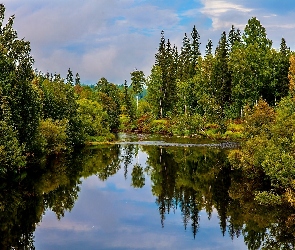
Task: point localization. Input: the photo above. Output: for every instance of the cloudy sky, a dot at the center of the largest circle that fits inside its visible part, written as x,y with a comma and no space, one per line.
110,38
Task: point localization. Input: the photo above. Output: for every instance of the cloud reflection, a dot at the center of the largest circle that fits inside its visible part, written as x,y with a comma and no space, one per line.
114,215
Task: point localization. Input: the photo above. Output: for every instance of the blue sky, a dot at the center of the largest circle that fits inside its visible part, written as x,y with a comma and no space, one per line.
110,38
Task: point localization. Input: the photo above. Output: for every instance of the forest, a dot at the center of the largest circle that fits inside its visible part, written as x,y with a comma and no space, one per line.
243,90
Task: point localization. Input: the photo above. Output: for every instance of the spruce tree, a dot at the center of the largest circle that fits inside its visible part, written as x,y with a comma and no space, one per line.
282,70
69,78
77,79
185,59
221,78
234,37
195,50
209,48
165,61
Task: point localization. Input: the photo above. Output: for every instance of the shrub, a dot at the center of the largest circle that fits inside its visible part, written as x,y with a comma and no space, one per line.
54,134
187,125
159,126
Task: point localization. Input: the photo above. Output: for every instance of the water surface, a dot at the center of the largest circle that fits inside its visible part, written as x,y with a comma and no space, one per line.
142,193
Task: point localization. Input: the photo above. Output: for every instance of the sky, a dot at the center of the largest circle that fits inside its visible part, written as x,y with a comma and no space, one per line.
111,38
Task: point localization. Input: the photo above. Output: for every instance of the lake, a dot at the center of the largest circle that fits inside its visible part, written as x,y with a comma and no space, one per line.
142,193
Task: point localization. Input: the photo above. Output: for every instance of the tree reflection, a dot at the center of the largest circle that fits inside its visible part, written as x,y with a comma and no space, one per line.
196,179
138,179
52,183
188,179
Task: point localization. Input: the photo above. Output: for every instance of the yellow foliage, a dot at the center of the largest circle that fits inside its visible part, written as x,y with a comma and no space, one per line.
290,197
291,74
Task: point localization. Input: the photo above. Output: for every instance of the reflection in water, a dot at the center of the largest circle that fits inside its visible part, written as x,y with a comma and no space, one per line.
182,178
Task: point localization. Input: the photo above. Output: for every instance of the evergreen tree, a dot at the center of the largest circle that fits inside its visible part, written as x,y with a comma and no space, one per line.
185,59
209,47
165,61
128,101
282,70
70,79
195,50
154,91
251,67
77,79
234,37
161,54
221,79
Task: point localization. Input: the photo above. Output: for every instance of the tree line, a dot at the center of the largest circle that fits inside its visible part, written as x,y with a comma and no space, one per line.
243,69
185,94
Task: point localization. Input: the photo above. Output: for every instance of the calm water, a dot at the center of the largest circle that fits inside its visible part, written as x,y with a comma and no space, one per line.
139,196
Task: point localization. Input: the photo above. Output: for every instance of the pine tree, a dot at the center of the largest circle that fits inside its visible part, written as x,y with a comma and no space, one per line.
165,61
221,78
234,37
128,102
185,59
77,79
282,70
161,54
209,48
195,50
69,78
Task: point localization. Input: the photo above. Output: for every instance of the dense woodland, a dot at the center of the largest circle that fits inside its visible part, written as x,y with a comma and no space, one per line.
244,89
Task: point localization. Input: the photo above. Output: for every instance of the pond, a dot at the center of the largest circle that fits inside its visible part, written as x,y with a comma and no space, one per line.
142,193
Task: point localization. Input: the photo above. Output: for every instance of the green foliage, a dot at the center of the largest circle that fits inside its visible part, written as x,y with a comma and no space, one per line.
163,79
60,103
159,126
11,152
128,108
93,118
221,78
186,125
70,79
54,135
258,119
255,33
108,94
16,74
234,131
137,81
269,150
137,175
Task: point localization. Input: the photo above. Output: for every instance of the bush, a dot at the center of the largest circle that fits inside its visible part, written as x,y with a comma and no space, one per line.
54,135
187,125
159,126
144,123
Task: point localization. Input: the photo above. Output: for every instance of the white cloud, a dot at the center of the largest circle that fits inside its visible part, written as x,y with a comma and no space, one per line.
110,38
216,7
95,38
225,13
